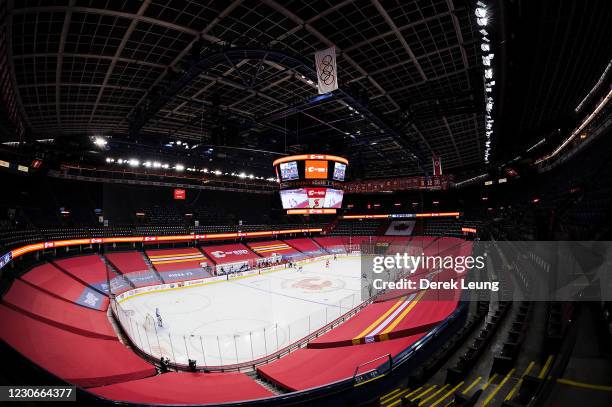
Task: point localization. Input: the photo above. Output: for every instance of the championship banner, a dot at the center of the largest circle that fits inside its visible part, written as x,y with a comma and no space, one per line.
327,76
437,165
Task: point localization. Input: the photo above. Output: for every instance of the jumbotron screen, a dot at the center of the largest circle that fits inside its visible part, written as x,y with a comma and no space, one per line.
311,167
311,183
311,198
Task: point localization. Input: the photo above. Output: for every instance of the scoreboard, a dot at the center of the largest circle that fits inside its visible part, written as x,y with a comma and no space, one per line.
311,181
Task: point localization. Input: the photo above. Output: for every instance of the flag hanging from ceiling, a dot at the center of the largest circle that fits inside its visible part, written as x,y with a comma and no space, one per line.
437,165
326,70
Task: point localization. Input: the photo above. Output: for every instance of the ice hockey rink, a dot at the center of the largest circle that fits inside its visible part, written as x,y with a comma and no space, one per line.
243,319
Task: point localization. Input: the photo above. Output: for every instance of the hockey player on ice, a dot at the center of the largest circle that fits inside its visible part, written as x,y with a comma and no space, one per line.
327,264
159,318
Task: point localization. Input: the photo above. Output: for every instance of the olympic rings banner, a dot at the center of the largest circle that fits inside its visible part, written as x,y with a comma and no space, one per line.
327,73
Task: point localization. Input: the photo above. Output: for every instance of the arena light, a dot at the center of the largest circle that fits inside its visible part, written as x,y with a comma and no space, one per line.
579,129
482,18
179,167
100,142
599,82
134,162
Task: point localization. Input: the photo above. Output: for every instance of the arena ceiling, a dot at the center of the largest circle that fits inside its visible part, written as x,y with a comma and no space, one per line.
96,67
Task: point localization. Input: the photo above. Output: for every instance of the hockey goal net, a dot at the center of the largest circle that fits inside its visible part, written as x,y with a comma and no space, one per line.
149,323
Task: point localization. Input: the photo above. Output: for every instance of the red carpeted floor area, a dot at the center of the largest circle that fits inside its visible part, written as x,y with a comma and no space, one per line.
306,368
304,244
331,244
185,388
272,247
90,269
58,312
128,262
176,259
53,281
78,359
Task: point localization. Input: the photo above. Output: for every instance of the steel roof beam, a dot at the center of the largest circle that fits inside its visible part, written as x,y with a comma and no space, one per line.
128,33
86,56
60,58
400,37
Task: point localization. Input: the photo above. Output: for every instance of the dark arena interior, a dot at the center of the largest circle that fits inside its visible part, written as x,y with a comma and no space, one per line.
306,203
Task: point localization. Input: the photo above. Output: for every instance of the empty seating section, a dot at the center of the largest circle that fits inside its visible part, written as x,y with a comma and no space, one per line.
89,269
160,230
185,388
307,246
53,281
54,311
10,238
442,227
13,238
356,227
271,248
78,359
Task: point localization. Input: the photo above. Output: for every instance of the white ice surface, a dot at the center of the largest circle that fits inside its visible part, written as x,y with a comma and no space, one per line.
241,320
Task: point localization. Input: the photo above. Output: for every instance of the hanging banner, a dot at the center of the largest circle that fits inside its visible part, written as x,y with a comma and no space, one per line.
327,75
437,165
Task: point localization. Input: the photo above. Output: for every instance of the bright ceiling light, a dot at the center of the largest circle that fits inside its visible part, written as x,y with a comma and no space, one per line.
100,142
481,12
134,162
179,167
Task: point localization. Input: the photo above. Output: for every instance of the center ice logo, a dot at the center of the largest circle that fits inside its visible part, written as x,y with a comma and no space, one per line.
313,284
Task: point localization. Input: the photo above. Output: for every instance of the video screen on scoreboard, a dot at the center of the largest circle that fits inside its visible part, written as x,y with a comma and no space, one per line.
294,198
333,198
316,197
316,169
339,171
289,171
313,198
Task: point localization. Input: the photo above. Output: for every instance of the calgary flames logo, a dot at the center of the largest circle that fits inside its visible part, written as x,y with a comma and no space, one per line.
312,284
